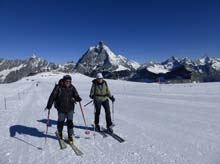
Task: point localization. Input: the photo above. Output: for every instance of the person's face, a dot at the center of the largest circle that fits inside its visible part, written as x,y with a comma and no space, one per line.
100,80
67,83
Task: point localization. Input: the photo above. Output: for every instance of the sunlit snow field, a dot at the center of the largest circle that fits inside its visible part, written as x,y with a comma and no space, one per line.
162,124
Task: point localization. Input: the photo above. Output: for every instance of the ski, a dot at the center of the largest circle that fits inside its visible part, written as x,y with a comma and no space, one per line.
61,142
101,132
114,135
75,148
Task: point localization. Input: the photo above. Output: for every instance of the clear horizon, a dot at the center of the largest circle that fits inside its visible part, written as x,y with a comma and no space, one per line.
144,31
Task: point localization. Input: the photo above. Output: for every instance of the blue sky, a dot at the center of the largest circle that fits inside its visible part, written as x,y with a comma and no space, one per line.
142,30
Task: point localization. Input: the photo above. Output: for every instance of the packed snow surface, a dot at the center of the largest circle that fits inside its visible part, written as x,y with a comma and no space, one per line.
162,124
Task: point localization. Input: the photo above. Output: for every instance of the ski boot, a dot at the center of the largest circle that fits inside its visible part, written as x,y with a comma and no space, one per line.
60,134
97,128
70,140
109,129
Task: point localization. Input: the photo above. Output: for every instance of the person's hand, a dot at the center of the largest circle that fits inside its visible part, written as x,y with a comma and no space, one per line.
112,99
45,109
78,99
92,97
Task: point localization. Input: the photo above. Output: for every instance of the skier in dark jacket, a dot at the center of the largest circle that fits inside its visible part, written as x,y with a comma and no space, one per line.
64,95
100,93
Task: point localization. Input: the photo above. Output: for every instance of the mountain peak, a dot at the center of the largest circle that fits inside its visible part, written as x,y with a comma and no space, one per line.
99,47
205,56
34,56
102,58
204,60
101,44
172,59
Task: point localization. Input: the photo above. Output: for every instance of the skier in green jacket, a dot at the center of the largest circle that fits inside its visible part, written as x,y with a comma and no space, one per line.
100,93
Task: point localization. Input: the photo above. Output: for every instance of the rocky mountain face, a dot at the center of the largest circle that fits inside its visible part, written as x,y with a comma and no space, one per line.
101,59
13,70
208,69
205,69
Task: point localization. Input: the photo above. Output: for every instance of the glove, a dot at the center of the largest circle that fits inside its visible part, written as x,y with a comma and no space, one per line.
45,109
112,99
92,97
78,99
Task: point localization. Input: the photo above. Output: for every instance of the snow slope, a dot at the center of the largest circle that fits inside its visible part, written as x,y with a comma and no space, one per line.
167,124
5,72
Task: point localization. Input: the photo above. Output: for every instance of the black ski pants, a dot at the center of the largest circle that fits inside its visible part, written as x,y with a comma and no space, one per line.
105,104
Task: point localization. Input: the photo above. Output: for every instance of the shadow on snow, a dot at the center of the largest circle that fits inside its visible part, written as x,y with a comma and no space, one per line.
54,122
34,132
30,131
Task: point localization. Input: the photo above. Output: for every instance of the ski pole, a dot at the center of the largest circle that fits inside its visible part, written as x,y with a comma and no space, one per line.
113,114
94,121
87,132
88,103
48,121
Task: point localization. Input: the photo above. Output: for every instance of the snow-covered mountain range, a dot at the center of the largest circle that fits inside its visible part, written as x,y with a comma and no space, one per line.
173,63
205,68
101,58
13,70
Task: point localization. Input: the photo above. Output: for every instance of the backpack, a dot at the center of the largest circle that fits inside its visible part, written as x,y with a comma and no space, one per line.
58,94
59,85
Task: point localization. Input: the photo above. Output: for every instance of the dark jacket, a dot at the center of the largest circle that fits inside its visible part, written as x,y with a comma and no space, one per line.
64,98
100,92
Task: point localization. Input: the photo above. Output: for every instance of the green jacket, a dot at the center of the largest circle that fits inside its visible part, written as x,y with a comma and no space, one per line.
100,92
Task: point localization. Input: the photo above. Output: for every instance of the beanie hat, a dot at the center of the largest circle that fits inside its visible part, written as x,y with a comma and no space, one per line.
67,77
99,76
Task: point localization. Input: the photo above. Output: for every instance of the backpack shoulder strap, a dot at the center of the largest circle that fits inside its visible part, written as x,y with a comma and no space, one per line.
58,91
106,85
95,86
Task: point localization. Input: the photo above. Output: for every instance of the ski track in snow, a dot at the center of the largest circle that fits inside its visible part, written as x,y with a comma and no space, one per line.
167,124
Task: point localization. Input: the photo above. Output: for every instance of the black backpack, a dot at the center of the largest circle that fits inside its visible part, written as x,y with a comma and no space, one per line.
59,85
58,94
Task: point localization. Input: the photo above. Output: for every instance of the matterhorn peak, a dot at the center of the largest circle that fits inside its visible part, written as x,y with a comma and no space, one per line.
102,58
101,44
34,56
